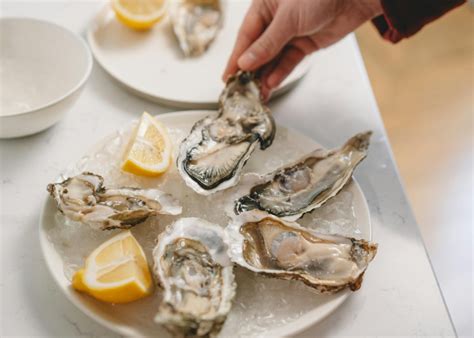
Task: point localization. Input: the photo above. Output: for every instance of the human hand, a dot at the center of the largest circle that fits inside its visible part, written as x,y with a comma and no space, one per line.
278,34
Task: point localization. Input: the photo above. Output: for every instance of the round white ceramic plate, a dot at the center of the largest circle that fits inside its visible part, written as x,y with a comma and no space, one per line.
151,64
263,306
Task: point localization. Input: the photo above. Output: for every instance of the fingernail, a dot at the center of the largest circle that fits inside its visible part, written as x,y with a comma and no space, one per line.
265,92
274,80
247,60
270,81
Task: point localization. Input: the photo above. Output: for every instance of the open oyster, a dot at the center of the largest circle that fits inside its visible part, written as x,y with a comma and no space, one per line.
84,198
269,245
300,187
193,267
211,158
195,24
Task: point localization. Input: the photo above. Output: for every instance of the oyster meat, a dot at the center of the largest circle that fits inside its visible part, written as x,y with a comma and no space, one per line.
193,267
212,156
300,187
195,24
84,198
266,244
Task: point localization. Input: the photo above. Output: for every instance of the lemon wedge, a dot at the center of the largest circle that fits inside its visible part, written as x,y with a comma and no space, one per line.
115,272
139,14
149,150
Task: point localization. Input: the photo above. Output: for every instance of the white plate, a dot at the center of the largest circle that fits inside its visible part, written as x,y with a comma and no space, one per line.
263,306
152,65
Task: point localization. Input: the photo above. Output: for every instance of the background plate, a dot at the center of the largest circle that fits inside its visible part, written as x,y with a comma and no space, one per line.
151,64
263,306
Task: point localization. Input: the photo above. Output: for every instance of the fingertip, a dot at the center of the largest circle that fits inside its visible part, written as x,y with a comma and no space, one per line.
265,93
285,66
224,76
274,79
247,61
230,69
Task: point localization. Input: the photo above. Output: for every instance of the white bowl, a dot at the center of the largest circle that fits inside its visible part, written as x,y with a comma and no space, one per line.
43,68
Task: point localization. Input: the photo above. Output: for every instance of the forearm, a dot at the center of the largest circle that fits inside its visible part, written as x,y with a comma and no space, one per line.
403,18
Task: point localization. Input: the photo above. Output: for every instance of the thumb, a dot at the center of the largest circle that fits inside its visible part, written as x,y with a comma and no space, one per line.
267,46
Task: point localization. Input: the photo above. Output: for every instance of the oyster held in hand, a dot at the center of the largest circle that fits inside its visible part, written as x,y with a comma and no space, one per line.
211,158
195,24
328,263
84,198
300,187
193,267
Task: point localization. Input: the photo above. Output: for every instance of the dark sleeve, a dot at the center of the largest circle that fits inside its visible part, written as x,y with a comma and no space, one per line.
403,18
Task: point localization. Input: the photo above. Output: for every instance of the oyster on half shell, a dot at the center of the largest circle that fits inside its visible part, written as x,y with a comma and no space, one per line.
300,187
195,24
84,198
193,267
212,156
268,245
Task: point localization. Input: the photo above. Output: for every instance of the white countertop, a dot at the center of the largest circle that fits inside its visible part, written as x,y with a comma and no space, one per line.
400,295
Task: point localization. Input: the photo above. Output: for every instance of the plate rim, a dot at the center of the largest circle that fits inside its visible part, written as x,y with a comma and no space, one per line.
96,52
296,326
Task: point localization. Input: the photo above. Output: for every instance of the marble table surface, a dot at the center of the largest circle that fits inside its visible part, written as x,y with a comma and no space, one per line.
400,295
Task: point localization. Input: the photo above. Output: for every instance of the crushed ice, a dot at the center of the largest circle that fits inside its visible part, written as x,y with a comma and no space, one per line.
262,303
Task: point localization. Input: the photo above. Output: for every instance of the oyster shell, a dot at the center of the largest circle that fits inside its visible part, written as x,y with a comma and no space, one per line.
193,267
328,263
300,187
84,198
211,158
195,24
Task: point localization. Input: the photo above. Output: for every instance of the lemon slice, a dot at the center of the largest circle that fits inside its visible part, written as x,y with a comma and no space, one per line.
115,272
149,150
139,14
